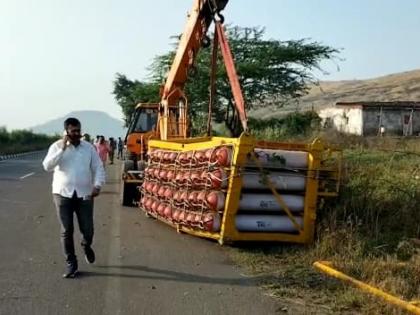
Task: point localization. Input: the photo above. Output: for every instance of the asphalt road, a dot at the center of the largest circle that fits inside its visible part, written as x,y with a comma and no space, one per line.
142,267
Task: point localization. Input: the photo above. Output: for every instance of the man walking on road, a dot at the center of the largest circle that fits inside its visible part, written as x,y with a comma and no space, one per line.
78,177
120,148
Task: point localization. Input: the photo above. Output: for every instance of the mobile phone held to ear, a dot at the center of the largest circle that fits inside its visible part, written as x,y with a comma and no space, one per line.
66,137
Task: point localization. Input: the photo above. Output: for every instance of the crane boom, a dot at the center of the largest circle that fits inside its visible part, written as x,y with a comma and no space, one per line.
194,35
199,20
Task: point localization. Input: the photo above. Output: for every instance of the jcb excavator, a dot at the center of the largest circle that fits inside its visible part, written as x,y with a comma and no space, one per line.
169,118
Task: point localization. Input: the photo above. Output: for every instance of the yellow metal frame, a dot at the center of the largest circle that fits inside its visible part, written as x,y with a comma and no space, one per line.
243,146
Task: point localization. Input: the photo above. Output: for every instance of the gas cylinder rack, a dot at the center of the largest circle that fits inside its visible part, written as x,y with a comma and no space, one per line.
239,189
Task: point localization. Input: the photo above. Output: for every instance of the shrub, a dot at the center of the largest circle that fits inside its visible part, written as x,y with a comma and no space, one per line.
18,141
294,125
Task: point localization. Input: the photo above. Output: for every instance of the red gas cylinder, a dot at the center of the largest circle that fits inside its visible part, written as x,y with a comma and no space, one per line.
190,218
156,172
177,196
201,197
200,157
182,158
218,179
204,178
148,204
170,175
165,157
160,208
192,197
184,196
168,193
146,186
162,175
215,200
159,155
155,189
197,219
190,157
208,154
167,212
153,155
154,206
182,216
185,178
172,157
149,171
175,215
195,177
221,156
161,191
211,222
179,177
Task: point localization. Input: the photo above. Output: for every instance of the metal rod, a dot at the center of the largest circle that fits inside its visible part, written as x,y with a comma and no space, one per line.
322,266
213,72
232,75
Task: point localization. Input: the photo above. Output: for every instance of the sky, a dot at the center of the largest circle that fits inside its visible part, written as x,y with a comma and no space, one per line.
58,56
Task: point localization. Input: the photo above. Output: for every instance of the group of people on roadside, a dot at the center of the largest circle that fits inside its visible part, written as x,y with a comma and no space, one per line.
106,148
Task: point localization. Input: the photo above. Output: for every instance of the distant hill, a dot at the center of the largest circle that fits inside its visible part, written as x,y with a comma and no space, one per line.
93,122
404,86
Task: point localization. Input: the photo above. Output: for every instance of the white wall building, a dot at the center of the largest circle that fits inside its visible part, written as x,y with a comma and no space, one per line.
373,118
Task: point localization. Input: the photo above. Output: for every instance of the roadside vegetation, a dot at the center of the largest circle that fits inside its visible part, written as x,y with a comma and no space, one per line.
370,232
19,141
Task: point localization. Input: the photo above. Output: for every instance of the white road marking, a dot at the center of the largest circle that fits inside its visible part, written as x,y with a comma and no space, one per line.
27,175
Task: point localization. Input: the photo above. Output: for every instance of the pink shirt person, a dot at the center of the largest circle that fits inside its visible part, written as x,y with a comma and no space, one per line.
102,148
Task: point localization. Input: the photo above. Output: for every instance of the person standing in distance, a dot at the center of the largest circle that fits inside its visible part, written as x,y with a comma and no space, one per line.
120,145
112,147
78,178
103,149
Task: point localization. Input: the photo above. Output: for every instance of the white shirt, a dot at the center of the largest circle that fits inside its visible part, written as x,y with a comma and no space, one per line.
75,169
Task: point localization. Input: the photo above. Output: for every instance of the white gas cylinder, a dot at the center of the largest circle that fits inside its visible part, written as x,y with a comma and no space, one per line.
265,223
268,202
283,158
280,180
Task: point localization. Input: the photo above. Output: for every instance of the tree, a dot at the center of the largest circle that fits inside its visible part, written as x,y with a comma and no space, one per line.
129,93
270,71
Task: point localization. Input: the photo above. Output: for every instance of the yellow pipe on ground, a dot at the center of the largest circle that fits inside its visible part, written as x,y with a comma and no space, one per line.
323,266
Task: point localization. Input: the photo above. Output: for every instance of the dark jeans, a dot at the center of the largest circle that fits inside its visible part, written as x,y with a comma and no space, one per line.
84,213
111,156
120,153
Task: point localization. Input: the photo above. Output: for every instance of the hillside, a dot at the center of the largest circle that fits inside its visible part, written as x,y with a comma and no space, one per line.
404,86
93,122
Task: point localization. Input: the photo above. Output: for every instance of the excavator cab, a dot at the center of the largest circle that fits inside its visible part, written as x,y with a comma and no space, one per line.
143,127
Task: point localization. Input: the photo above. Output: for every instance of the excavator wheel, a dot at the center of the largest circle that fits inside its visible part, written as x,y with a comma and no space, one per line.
127,191
128,165
141,165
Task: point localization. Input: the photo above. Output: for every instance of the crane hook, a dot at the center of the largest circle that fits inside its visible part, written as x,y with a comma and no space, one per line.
220,17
